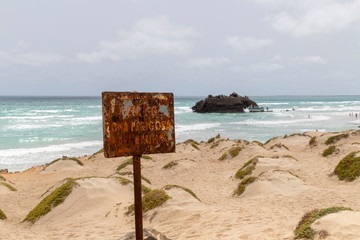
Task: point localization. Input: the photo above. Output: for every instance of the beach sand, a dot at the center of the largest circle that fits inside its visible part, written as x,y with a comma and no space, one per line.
292,178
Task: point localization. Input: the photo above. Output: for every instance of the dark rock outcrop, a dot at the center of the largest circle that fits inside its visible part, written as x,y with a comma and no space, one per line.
224,104
148,234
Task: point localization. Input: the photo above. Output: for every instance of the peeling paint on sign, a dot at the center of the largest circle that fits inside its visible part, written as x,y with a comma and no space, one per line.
138,123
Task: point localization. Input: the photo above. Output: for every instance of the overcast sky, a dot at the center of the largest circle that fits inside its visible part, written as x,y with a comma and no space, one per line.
188,47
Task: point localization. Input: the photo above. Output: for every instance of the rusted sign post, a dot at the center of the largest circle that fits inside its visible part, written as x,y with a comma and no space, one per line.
135,124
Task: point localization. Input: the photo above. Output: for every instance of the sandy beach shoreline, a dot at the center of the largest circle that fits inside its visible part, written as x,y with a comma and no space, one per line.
291,177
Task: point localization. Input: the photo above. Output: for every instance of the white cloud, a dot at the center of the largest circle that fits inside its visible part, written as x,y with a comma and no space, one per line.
313,59
148,37
323,17
243,44
263,66
205,62
19,55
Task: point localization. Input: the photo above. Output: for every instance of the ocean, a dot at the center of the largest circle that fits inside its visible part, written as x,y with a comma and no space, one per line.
37,130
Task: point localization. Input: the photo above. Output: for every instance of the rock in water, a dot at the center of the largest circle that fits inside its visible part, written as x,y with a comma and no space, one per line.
148,234
224,104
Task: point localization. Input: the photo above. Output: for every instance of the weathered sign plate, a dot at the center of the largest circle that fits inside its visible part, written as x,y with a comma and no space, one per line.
138,123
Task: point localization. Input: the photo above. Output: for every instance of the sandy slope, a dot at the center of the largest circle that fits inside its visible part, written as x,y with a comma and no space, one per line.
293,178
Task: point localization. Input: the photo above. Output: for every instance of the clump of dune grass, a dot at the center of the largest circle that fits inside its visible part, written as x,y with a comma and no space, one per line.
146,157
130,173
269,140
211,140
150,200
170,165
312,141
330,150
304,230
57,197
191,141
355,143
281,170
215,144
289,156
279,145
125,164
168,187
247,168
258,143
11,188
2,215
64,159
2,178
94,154
145,179
195,146
336,138
244,183
223,157
348,168
234,151
123,181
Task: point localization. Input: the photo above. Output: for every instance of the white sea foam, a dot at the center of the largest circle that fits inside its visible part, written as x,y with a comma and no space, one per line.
273,103
181,110
23,158
48,149
194,127
37,117
32,126
281,122
46,111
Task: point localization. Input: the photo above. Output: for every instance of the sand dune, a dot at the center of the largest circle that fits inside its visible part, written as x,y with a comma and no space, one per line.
292,178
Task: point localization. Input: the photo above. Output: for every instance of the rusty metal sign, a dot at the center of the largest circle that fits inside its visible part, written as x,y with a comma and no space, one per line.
138,123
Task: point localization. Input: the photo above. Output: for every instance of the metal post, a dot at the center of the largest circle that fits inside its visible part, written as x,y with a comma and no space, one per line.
138,198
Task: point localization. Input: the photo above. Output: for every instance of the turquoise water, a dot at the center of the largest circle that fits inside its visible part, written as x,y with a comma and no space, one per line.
37,130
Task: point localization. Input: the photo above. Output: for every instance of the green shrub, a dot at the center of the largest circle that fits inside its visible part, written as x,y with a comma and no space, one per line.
146,157
125,164
247,168
150,200
211,140
235,151
330,150
170,165
244,183
167,187
223,157
11,188
348,168
52,200
336,138
2,215
304,230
